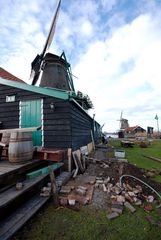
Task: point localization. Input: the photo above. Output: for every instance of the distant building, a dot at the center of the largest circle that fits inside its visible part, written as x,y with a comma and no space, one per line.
150,130
134,131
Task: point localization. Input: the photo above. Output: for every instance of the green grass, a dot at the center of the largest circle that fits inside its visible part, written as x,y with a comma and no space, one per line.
135,155
88,224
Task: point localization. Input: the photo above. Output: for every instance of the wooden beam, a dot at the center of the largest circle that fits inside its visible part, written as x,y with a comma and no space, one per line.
54,192
153,158
30,129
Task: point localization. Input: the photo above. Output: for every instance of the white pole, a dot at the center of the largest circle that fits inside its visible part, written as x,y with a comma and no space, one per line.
158,126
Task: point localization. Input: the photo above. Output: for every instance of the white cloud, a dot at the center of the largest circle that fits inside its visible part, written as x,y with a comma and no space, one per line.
109,85
86,28
115,52
30,26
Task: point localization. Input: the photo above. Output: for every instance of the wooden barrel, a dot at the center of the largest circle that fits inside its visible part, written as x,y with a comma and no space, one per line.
5,138
20,147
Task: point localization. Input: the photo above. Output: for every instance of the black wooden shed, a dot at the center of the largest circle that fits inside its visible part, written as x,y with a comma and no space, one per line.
64,123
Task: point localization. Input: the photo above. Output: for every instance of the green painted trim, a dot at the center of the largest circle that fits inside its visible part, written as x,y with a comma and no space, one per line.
61,94
69,72
44,170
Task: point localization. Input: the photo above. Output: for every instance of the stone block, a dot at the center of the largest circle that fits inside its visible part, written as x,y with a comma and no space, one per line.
80,191
63,201
117,202
112,215
65,190
117,208
130,207
83,200
71,202
120,198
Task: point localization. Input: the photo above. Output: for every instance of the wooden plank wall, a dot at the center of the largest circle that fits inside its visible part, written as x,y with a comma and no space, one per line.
57,131
9,112
57,127
81,125
64,127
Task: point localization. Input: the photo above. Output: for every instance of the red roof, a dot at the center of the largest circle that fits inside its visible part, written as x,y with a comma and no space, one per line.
130,129
6,75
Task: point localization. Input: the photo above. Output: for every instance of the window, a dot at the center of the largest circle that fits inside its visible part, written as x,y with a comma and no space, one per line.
10,98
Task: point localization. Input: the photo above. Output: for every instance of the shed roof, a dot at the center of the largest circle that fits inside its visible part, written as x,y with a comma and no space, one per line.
46,91
130,129
6,75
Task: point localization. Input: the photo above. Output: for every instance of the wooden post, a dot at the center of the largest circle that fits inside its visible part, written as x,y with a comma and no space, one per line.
69,159
53,186
1,151
120,170
92,137
158,127
156,117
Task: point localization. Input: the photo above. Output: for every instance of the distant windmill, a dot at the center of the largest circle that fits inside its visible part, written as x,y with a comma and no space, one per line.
123,122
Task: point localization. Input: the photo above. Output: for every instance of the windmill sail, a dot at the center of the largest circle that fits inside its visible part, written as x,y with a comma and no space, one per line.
52,30
37,62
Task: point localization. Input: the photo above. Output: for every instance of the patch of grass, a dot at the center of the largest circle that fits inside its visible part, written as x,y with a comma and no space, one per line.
135,155
157,178
89,224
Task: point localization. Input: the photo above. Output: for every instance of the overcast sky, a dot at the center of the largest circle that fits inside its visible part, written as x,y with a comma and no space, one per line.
113,46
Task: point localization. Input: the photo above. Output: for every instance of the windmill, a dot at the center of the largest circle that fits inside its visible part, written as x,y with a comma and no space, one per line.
123,122
50,65
54,71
